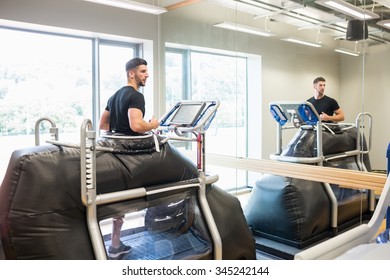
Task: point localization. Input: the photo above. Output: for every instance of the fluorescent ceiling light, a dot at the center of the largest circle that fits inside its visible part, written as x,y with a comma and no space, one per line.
346,52
297,41
249,8
384,23
131,5
243,28
348,9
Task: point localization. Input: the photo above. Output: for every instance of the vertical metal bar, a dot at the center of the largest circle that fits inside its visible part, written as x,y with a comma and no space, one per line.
200,152
209,218
88,186
279,141
360,137
333,203
95,82
319,142
202,195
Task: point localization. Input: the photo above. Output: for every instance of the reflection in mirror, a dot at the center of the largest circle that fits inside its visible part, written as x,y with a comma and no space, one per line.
309,40
288,69
244,69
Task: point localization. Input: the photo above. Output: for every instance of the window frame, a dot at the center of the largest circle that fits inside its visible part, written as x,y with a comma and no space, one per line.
141,47
253,85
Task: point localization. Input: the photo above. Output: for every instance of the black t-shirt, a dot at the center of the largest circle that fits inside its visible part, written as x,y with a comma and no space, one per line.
119,104
326,104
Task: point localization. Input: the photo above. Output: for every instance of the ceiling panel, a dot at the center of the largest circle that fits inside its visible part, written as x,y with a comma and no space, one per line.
301,14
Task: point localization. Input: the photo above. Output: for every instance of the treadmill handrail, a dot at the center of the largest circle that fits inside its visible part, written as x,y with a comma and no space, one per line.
53,129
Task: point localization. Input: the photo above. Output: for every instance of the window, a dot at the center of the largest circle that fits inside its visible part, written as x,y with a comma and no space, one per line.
53,75
200,75
112,68
41,74
175,87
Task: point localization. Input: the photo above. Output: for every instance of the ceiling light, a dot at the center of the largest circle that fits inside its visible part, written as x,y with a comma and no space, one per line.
348,9
131,5
346,52
243,28
384,23
297,41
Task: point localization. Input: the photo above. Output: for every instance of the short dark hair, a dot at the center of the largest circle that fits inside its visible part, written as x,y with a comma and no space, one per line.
134,63
319,79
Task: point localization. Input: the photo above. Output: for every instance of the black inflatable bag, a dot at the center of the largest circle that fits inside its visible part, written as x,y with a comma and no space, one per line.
304,143
233,230
288,210
41,214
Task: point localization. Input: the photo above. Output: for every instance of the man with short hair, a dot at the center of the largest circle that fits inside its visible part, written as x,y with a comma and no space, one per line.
125,109
124,115
328,109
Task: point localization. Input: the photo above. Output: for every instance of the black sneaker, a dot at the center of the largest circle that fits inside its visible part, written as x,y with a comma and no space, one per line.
118,253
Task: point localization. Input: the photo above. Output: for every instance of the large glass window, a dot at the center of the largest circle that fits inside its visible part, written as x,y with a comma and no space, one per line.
175,79
112,58
41,75
52,75
222,78
197,75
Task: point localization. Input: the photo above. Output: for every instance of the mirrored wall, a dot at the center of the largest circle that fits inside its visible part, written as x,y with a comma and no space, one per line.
271,66
245,54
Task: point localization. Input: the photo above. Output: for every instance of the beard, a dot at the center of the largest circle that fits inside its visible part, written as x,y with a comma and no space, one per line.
140,83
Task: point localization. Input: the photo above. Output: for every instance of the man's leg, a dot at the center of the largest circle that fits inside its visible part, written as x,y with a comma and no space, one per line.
116,231
117,249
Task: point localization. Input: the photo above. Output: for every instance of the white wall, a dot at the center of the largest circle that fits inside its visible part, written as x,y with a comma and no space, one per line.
364,87
81,15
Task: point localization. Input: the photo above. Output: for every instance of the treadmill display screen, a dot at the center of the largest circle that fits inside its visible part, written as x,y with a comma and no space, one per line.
187,113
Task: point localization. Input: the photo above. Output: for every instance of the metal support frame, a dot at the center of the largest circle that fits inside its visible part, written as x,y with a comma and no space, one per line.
362,120
199,130
91,199
88,186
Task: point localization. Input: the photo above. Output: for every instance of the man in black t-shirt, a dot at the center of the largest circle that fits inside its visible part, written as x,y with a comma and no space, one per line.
124,114
125,109
328,109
